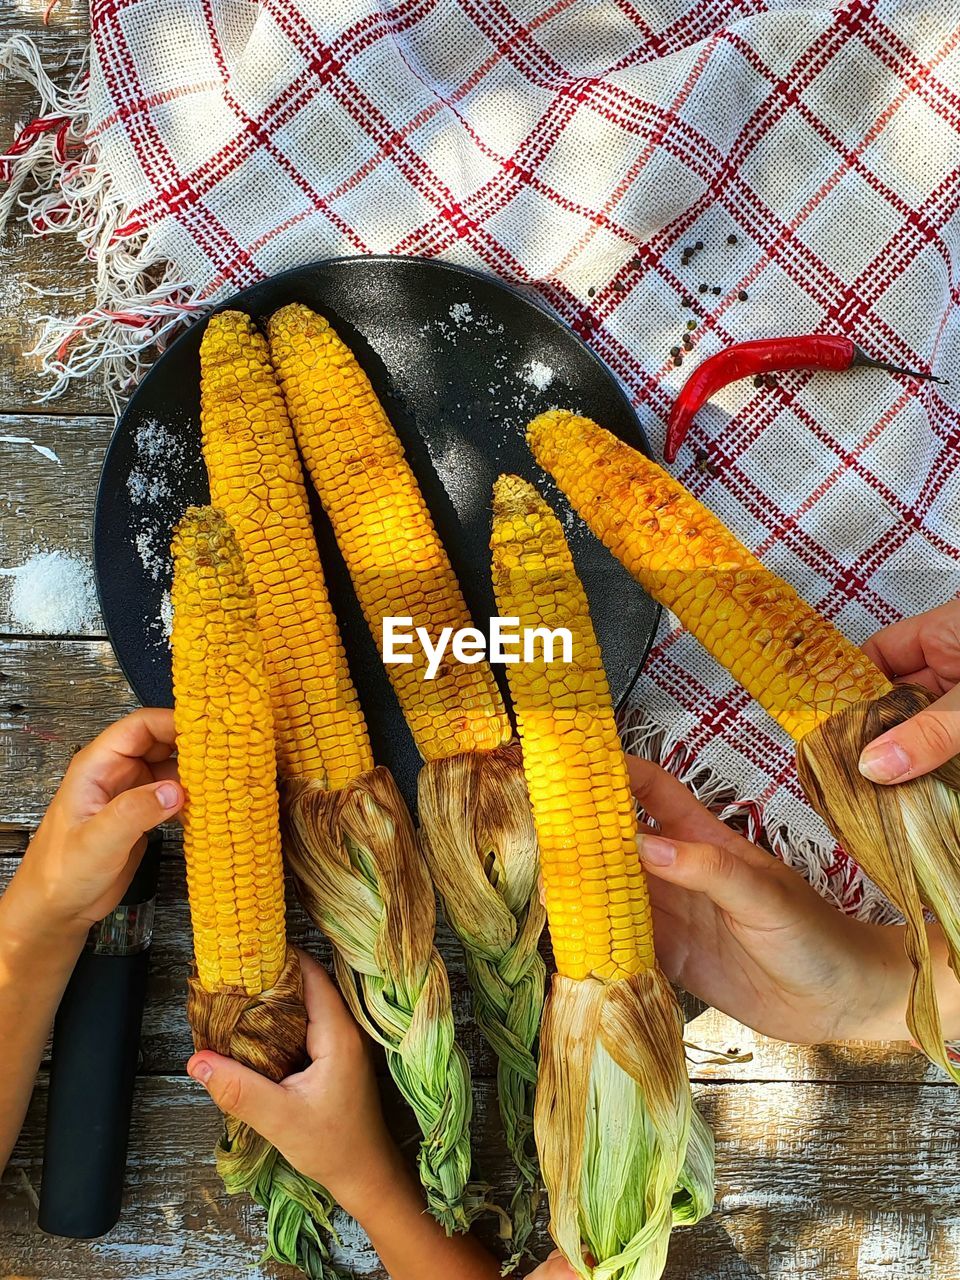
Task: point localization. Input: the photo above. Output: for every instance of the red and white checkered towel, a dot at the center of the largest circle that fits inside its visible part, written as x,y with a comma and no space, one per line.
555,142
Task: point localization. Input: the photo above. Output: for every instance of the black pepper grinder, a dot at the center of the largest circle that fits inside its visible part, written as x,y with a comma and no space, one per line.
96,1048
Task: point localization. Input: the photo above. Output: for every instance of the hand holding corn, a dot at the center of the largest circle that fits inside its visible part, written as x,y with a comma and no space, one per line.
751,937
926,651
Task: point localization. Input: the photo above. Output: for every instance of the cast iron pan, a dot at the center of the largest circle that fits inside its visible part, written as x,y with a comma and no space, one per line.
449,352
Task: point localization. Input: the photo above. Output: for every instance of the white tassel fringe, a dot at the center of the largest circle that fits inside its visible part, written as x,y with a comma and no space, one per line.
55,185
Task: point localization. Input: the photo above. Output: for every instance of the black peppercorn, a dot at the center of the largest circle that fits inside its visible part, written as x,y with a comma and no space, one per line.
742,295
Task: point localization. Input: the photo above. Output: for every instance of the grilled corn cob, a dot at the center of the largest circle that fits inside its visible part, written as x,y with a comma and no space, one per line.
385,532
476,829
256,481
820,688
246,998
231,824
790,659
597,903
623,1152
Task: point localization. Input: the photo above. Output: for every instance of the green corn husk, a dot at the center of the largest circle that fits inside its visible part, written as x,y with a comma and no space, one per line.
905,837
481,847
299,1227
361,878
624,1153
268,1033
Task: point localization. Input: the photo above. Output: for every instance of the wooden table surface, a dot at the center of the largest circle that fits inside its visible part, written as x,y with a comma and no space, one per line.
831,1162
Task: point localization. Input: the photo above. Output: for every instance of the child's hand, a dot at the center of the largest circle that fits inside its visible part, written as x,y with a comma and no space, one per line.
747,934
87,848
923,650
327,1119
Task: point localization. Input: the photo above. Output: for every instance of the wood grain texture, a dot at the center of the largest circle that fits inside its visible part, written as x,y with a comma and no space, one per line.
814,1182
57,262
47,504
55,695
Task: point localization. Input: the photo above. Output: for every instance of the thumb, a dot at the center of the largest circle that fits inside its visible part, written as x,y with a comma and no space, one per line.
131,814
919,745
242,1093
734,883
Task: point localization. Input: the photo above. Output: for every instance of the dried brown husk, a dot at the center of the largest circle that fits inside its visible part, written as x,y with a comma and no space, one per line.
624,1154
362,879
480,844
268,1033
905,837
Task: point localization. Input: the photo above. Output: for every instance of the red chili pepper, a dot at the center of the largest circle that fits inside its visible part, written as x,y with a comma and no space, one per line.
770,355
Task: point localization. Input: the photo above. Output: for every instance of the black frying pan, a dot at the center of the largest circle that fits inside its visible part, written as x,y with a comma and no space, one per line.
450,353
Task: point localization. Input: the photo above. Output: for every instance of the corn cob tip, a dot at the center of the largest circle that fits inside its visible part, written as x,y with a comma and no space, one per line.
225,323
547,431
296,317
513,496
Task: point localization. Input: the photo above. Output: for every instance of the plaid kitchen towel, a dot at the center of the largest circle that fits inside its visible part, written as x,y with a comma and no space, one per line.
577,146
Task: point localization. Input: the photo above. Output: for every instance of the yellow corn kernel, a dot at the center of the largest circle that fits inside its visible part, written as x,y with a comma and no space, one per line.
797,666
227,762
585,818
256,481
385,532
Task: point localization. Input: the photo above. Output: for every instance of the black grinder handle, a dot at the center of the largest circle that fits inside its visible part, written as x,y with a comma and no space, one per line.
96,1047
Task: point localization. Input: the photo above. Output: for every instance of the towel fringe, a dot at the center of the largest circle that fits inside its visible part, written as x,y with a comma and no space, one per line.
56,184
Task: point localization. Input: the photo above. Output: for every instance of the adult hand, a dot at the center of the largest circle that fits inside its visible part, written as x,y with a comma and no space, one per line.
747,934
924,650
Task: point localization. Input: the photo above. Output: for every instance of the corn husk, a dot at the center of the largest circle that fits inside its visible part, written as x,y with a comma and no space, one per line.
905,837
624,1155
267,1032
361,878
480,844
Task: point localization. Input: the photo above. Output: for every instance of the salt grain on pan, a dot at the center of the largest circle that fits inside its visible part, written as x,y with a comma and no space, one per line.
153,557
53,594
461,313
538,375
154,440
166,615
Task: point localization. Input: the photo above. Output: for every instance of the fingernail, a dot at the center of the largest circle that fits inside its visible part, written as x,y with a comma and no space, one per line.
884,762
168,795
201,1071
658,851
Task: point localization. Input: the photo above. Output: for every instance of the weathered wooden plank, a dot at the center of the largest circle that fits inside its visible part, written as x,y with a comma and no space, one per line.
814,1182
54,696
48,478
714,1033
57,262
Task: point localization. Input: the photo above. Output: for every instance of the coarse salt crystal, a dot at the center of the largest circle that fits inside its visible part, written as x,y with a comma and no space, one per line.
538,375
461,313
166,615
53,594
